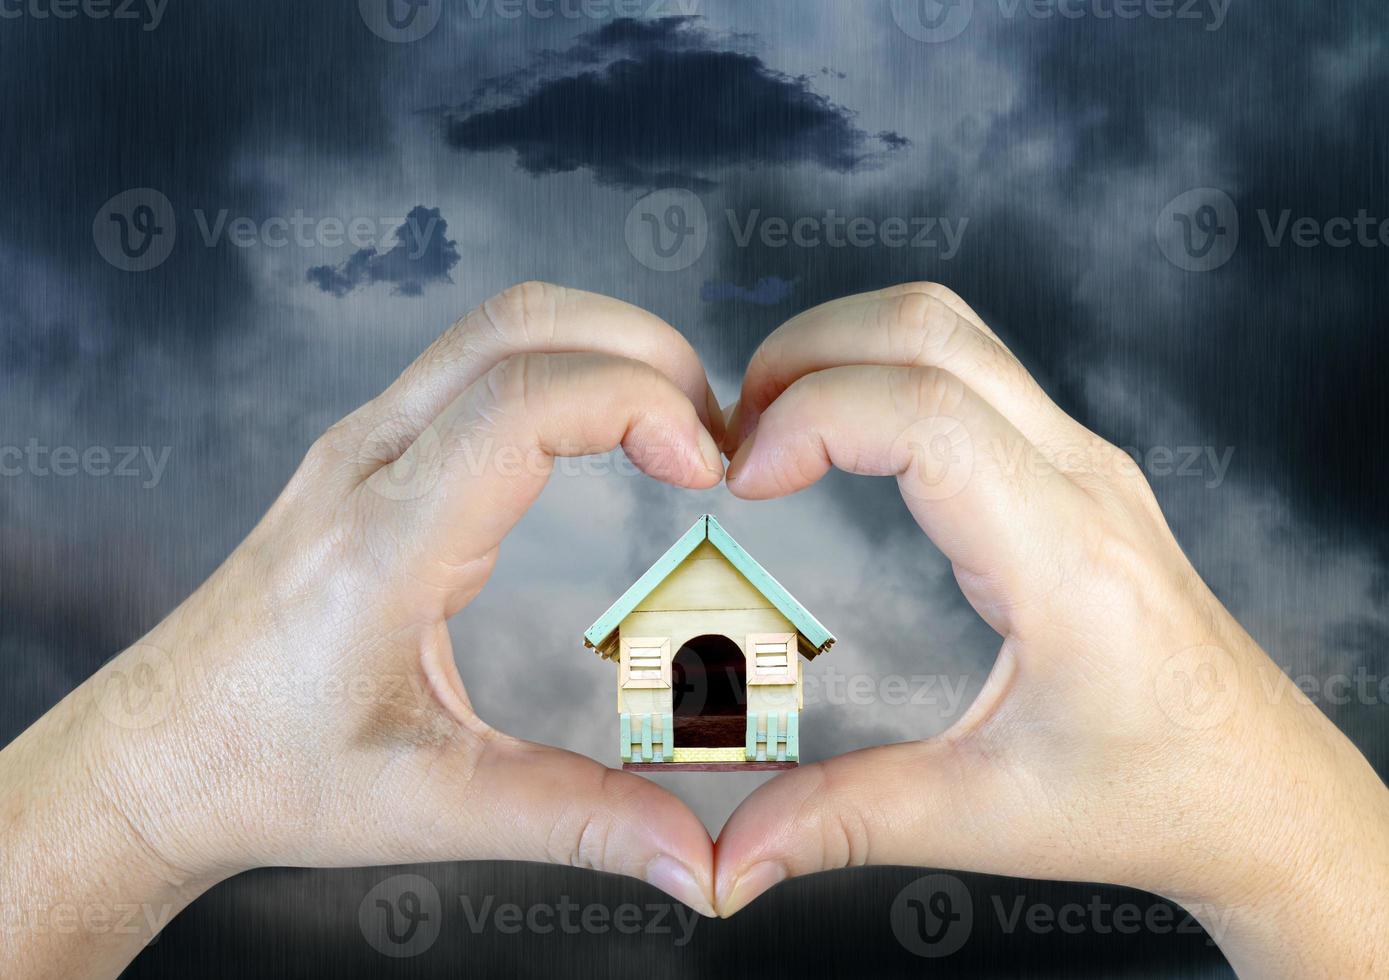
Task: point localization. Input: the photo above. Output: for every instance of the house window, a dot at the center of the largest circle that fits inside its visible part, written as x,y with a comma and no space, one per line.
772,658
645,661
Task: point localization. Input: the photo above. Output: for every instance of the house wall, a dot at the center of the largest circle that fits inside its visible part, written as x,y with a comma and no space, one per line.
706,594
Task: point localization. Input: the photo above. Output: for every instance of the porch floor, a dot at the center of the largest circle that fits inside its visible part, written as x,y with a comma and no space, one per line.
706,766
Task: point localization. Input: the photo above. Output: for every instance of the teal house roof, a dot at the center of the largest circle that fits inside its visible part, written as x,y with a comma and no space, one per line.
815,639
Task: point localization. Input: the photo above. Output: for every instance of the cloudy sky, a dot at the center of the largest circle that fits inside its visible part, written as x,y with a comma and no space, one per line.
1121,198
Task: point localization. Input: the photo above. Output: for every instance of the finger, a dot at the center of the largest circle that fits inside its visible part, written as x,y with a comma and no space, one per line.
532,317
474,471
476,794
922,804
528,802
917,325
977,487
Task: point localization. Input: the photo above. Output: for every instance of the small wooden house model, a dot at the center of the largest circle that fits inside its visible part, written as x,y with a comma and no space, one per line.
708,650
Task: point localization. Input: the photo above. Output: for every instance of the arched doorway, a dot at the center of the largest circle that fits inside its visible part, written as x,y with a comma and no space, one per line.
710,695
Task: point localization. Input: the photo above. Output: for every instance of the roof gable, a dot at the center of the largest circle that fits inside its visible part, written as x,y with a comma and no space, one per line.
814,637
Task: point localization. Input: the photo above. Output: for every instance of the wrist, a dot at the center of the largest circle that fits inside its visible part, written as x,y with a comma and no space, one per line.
1304,849
141,747
85,879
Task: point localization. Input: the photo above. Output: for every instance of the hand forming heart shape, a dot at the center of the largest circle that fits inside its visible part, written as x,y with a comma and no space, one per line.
1125,735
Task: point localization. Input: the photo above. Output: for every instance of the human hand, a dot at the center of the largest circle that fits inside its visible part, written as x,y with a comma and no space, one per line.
1125,734
306,707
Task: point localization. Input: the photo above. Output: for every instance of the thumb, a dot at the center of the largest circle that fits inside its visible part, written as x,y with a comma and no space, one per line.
926,804
522,801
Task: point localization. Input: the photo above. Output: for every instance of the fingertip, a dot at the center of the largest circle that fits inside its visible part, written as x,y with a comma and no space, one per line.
709,450
733,434
736,474
689,459
714,419
741,890
681,883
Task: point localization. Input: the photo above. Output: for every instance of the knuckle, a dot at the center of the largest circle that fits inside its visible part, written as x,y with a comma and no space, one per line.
1124,471
516,381
1113,554
634,375
1119,479
762,363
527,310
581,837
842,824
1125,575
846,835
927,392
935,291
335,441
922,330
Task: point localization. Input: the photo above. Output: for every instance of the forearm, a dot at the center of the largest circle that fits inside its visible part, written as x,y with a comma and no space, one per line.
82,888
1330,919
1315,899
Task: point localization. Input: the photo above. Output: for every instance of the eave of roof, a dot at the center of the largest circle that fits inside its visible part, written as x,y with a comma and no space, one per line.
815,639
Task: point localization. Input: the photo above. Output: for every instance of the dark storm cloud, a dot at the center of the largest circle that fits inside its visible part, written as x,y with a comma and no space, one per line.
663,103
1296,123
188,109
769,291
1280,354
421,256
90,354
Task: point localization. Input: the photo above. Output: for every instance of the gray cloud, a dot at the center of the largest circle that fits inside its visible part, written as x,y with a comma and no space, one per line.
420,256
668,104
1059,141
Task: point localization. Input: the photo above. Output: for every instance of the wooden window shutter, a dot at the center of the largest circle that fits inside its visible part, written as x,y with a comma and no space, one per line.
772,658
645,661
